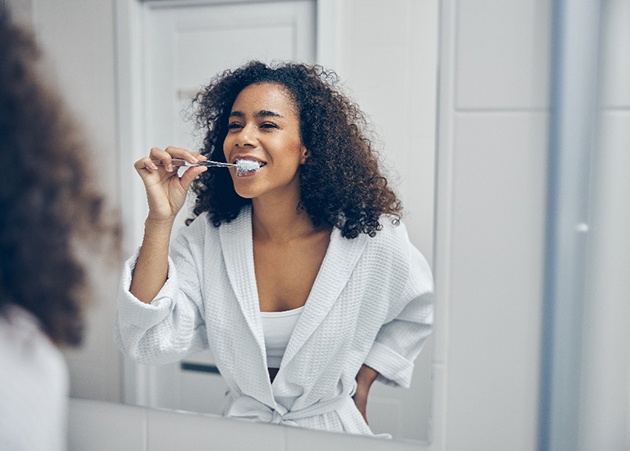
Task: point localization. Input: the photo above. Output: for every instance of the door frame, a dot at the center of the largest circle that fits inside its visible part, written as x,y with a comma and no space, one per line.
130,30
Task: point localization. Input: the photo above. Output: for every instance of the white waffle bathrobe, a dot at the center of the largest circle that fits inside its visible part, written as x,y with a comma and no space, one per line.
371,303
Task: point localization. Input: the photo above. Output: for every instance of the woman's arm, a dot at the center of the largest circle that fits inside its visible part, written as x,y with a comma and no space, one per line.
151,267
172,325
365,378
166,194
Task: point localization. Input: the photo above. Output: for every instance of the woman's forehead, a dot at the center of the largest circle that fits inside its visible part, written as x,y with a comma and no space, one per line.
265,96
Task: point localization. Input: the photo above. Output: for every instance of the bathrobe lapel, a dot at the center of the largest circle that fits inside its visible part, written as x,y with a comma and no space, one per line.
237,246
238,253
339,263
341,258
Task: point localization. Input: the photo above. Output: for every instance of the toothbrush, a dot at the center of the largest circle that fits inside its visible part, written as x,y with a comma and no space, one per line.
241,165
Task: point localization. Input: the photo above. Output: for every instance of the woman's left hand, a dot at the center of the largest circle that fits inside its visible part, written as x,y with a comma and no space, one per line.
365,378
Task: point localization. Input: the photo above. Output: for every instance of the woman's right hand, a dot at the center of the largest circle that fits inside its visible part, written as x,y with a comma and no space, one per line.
166,191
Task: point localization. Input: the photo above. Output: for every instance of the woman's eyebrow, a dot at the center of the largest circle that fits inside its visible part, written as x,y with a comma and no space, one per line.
267,113
261,113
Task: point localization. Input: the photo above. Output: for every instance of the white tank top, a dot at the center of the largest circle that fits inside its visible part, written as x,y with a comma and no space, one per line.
277,329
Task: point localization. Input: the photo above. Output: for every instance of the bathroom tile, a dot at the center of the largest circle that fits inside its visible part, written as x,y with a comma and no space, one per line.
615,68
170,430
384,414
102,426
503,54
310,440
499,182
202,392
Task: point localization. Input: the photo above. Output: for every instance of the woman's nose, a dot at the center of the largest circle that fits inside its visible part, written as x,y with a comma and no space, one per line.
247,136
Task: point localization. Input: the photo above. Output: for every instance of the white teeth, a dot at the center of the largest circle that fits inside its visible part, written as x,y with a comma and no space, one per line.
248,165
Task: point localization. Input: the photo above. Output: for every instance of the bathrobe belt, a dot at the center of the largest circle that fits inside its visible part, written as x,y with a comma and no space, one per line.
248,408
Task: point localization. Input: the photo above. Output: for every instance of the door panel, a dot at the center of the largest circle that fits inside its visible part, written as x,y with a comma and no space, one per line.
184,47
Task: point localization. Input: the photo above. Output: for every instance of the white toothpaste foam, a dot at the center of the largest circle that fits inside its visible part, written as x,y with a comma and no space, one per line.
248,165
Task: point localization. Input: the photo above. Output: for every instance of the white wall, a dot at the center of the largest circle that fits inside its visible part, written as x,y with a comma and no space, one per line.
386,53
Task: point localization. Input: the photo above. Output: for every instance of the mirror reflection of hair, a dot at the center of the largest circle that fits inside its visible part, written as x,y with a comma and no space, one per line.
52,214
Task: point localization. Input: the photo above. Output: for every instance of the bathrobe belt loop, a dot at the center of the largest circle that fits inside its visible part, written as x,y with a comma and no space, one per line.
247,408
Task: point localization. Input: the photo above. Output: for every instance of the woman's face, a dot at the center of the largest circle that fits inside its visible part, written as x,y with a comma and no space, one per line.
264,126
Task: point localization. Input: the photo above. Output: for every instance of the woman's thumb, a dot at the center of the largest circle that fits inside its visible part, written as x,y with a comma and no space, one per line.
190,175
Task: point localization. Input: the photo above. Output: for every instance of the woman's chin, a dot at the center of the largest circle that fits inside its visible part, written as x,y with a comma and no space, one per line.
245,193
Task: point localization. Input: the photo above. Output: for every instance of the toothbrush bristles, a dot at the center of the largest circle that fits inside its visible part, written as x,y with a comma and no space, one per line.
247,165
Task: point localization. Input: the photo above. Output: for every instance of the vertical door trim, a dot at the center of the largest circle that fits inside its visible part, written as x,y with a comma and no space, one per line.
130,35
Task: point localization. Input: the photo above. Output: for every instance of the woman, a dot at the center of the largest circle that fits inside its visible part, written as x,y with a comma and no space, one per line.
298,276
48,209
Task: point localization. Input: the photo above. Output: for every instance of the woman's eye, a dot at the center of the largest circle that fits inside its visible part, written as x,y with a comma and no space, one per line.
268,125
234,125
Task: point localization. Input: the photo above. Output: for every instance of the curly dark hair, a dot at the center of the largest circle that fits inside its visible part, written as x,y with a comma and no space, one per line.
48,203
341,183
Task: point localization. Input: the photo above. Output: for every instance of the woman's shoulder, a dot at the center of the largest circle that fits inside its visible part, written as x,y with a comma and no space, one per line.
392,248
392,233
392,243
198,229
201,232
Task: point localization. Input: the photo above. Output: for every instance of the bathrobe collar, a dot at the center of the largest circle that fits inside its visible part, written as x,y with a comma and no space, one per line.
340,260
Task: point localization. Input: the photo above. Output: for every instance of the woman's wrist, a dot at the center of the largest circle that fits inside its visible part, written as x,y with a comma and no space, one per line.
158,227
159,223
366,376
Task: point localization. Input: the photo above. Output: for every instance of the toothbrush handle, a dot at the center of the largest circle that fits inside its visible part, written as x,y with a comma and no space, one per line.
215,164
178,162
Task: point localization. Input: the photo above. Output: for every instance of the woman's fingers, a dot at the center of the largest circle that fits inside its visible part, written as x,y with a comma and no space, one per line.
178,152
145,163
190,174
157,157
166,189
164,157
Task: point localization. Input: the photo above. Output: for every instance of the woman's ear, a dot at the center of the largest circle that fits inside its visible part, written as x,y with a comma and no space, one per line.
305,155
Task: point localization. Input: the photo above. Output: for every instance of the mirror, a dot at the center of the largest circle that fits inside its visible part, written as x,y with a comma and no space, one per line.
384,51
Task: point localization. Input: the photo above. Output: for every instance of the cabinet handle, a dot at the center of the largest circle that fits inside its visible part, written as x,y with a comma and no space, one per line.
199,367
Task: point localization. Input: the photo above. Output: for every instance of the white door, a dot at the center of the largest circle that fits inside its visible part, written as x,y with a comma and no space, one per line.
184,47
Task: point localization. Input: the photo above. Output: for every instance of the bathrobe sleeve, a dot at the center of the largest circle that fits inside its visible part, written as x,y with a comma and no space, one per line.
172,325
400,340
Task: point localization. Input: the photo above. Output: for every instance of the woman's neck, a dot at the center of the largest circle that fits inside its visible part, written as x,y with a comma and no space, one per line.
280,222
